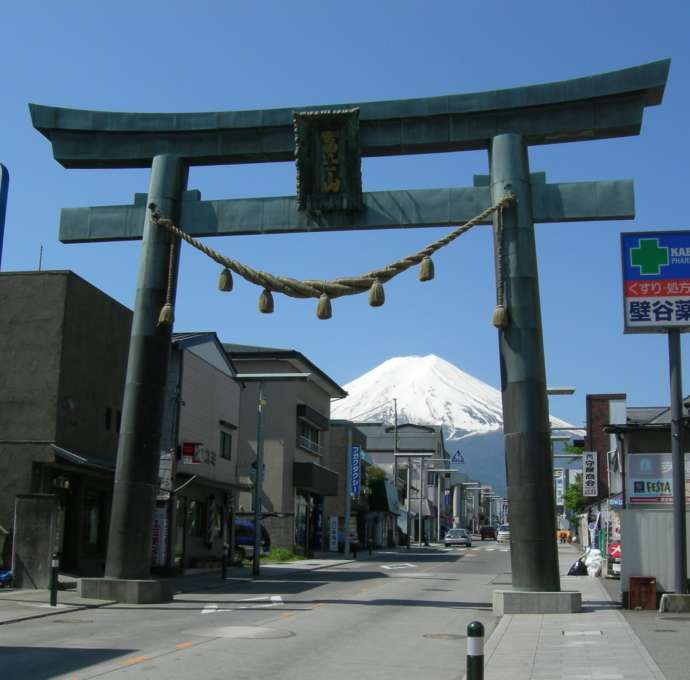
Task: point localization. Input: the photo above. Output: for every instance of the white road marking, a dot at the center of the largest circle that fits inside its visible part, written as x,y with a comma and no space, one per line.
404,565
270,600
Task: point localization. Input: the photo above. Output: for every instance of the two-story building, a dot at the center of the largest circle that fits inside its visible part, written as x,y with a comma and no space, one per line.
295,436
63,357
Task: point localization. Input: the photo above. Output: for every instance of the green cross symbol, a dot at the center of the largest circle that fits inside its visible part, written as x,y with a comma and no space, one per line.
649,256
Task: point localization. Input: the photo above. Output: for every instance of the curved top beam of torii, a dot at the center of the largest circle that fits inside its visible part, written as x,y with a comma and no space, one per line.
594,107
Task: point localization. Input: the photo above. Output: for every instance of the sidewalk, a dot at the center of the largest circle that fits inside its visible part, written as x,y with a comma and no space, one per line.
597,643
25,604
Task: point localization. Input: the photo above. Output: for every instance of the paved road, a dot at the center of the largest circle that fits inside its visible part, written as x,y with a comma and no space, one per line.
397,614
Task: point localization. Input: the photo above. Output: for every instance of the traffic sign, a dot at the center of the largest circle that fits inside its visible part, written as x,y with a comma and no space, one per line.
656,281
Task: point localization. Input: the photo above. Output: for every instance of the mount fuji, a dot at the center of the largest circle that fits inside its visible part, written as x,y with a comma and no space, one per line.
432,391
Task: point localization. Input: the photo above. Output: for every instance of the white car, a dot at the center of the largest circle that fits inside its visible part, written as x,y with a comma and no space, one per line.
457,537
503,533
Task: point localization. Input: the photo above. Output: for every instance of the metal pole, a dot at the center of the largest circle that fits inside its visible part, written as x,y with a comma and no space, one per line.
438,509
348,494
395,464
258,484
54,568
138,453
534,554
421,501
409,505
678,458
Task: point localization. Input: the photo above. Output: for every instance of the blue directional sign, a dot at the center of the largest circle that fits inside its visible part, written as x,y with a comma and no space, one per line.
656,280
4,186
356,476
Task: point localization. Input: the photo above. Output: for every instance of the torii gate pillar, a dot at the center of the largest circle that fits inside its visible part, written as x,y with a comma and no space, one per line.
136,474
534,555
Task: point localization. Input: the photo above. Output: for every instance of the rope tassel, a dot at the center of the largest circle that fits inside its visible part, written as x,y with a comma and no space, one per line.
167,315
500,317
426,269
376,295
323,309
266,302
225,280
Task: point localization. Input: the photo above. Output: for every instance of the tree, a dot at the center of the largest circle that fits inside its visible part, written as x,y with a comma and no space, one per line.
573,498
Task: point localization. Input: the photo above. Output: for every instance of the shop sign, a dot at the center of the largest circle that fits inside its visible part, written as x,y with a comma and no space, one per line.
616,501
159,538
356,474
650,478
333,534
590,482
656,281
558,476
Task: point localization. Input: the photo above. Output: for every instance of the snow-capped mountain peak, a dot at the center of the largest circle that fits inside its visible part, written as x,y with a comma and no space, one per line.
429,390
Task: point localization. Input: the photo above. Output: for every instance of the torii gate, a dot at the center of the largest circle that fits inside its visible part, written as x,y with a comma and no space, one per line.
505,122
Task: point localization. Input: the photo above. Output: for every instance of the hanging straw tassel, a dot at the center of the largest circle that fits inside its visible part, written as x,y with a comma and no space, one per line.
166,316
323,309
266,302
500,317
376,295
225,281
426,269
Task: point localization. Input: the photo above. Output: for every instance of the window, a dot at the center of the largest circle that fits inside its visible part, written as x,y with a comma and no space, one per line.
308,437
196,518
225,445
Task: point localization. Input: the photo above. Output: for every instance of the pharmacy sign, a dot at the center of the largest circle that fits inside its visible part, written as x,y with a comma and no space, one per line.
656,281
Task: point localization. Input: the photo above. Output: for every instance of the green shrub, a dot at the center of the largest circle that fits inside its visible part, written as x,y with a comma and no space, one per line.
282,555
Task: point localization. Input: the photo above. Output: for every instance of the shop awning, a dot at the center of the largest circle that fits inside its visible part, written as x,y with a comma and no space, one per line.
315,478
90,462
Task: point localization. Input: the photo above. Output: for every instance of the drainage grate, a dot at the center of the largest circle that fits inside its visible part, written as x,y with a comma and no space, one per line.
73,621
443,636
665,630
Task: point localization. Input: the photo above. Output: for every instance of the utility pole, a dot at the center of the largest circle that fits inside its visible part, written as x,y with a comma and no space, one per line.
395,462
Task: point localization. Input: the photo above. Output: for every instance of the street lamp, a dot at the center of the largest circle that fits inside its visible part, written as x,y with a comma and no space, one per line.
262,378
471,485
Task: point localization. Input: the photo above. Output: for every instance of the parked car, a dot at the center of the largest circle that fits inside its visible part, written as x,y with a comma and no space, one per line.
503,533
487,532
244,538
457,537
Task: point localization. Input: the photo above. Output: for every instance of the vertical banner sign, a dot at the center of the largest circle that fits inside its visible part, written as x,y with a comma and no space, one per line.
356,456
4,186
590,484
159,537
656,281
333,534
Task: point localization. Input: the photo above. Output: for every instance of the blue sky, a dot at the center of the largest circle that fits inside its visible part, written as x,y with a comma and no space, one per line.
204,56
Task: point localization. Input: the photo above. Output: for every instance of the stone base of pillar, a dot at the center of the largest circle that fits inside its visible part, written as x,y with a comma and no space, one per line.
674,603
127,591
536,602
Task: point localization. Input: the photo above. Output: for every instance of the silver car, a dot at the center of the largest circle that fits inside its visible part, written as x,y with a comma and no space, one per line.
457,537
503,533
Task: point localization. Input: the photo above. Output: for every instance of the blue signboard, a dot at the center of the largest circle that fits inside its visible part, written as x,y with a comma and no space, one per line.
4,185
356,477
656,280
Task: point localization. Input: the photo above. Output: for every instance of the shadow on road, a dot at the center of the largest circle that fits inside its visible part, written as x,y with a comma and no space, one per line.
49,662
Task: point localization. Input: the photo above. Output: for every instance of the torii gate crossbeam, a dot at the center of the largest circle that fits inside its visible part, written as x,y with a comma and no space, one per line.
505,122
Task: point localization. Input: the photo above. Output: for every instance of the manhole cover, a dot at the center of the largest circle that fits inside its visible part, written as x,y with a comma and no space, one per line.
444,636
244,632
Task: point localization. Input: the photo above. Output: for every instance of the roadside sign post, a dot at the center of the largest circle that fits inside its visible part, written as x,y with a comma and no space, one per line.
656,297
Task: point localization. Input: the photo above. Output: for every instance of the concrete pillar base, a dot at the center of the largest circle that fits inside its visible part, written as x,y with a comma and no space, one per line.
674,603
536,602
128,591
